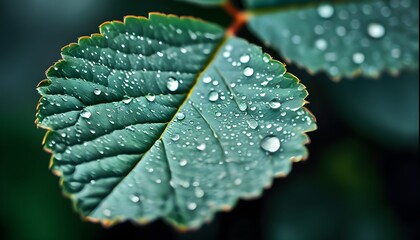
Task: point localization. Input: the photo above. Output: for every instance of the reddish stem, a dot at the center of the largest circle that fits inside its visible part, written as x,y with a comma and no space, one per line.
240,18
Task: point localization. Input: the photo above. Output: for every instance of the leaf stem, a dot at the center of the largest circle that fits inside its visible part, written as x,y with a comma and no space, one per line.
240,18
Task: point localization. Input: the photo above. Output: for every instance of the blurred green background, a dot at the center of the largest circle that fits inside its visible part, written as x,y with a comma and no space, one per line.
361,181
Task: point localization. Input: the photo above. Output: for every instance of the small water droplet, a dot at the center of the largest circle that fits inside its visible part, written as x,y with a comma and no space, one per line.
358,58
201,147
127,100
274,104
172,84
191,206
85,114
213,96
242,106
244,58
248,71
325,10
63,135
97,92
106,212
376,30
180,116
207,79
253,124
183,162
270,143
199,192
134,198
150,97
238,181
175,137
321,44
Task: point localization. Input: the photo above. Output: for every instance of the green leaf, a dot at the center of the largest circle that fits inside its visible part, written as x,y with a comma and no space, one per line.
166,117
206,2
344,39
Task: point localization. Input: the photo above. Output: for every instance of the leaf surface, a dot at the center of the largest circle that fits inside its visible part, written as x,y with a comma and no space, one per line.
206,2
343,39
167,117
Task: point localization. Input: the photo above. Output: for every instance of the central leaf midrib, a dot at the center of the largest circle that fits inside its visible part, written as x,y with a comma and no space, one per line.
211,59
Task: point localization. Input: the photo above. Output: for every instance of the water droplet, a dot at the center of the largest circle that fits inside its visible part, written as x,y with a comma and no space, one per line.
207,79
270,144
180,116
199,192
325,10
248,71
63,135
274,103
175,137
358,58
127,100
213,96
97,92
321,44
172,84
150,97
376,30
253,124
106,212
238,181
201,147
242,106
191,206
395,52
183,162
134,198
244,58
85,114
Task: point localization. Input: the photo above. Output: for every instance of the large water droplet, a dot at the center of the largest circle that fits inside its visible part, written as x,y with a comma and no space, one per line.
207,79
274,103
213,96
376,30
270,143
201,147
248,71
325,10
358,58
244,58
172,84
85,114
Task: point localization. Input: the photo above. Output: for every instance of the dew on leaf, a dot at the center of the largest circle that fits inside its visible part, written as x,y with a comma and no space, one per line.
252,123
244,58
270,143
274,104
97,92
321,44
358,58
180,116
213,96
134,198
183,162
325,10
207,79
376,30
172,84
248,71
150,97
192,206
201,147
85,114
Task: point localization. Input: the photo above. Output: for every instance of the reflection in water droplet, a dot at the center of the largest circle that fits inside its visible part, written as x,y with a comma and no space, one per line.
201,147
172,84
376,30
325,10
274,104
358,58
270,144
85,114
244,58
248,71
213,96
97,92
253,124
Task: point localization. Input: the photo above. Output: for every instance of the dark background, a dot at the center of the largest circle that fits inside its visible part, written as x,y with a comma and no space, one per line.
361,181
